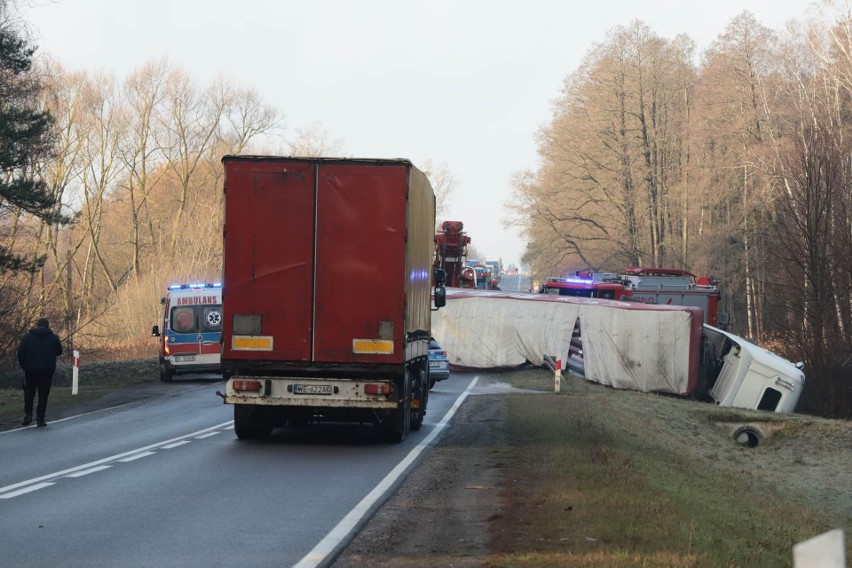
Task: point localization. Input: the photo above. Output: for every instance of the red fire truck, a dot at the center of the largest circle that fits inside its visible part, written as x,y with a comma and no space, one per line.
647,285
451,254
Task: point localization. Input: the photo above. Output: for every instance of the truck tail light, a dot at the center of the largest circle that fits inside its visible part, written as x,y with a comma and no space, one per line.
250,386
378,388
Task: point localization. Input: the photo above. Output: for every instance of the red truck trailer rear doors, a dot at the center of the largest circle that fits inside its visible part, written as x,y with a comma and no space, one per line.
315,260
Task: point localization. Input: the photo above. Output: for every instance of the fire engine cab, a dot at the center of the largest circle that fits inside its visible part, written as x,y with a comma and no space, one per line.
192,330
647,285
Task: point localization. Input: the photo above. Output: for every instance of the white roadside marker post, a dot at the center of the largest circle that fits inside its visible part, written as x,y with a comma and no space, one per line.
557,376
824,551
75,372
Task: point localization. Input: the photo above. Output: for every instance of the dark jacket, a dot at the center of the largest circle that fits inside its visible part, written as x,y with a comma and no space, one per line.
38,351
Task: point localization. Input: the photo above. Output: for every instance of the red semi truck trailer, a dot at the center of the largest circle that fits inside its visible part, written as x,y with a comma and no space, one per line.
327,292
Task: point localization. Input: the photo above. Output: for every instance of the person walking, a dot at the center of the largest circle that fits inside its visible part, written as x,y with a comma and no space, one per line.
37,355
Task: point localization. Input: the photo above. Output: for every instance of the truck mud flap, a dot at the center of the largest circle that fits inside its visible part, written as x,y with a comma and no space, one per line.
250,422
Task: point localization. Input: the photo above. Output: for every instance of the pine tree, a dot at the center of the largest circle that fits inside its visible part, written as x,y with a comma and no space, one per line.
25,137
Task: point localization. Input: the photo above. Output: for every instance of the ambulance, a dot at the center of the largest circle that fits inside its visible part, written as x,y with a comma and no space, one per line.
191,340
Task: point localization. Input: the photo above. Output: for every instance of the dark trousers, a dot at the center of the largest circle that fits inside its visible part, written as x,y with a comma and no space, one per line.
42,384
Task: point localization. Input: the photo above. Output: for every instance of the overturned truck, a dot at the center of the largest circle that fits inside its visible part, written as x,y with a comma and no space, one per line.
626,345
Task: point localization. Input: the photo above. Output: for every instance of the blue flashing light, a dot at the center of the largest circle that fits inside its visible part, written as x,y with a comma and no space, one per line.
195,286
579,280
418,275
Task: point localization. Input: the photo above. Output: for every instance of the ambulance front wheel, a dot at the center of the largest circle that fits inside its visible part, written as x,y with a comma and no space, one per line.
165,375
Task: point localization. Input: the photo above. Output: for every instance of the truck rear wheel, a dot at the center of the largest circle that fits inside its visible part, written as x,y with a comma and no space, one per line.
397,426
420,392
165,375
398,423
249,424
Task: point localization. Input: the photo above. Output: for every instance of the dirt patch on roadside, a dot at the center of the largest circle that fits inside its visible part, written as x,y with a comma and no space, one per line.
442,513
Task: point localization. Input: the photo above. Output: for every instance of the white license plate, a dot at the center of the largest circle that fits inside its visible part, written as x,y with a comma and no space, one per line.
313,389
434,363
183,358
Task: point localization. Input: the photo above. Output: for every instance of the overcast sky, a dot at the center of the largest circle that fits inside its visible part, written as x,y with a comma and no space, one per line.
461,82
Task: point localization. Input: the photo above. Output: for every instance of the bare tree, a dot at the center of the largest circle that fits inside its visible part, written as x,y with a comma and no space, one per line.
190,119
246,118
611,155
443,183
102,166
810,233
314,140
736,117
143,94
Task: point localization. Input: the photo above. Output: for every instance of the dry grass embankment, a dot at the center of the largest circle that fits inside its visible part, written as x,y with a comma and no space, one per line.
597,477
98,380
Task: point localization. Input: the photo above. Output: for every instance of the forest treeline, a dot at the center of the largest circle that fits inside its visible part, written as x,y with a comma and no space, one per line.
134,167
737,167
127,196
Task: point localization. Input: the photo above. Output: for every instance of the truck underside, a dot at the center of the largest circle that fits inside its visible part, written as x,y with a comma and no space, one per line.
393,403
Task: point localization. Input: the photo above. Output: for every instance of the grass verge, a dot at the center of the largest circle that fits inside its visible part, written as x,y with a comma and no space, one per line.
597,477
97,380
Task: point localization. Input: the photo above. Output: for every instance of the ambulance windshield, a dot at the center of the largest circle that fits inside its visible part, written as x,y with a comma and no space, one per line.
196,319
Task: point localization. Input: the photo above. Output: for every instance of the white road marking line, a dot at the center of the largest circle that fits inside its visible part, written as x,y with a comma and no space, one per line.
29,489
344,528
136,457
208,434
88,471
175,445
116,457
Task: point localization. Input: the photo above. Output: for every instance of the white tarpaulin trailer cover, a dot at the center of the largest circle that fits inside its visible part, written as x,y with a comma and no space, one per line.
625,345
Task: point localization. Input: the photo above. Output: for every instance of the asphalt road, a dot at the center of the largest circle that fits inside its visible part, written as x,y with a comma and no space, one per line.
166,483
515,283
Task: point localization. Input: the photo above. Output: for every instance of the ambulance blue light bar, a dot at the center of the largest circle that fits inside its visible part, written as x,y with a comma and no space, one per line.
195,286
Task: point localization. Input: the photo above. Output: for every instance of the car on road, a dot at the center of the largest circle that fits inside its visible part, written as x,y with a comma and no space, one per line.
439,363
483,277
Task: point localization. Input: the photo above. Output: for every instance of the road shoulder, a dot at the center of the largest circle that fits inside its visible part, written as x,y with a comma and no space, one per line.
444,508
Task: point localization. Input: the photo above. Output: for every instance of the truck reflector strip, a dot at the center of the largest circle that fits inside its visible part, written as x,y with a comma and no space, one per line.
373,346
251,343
